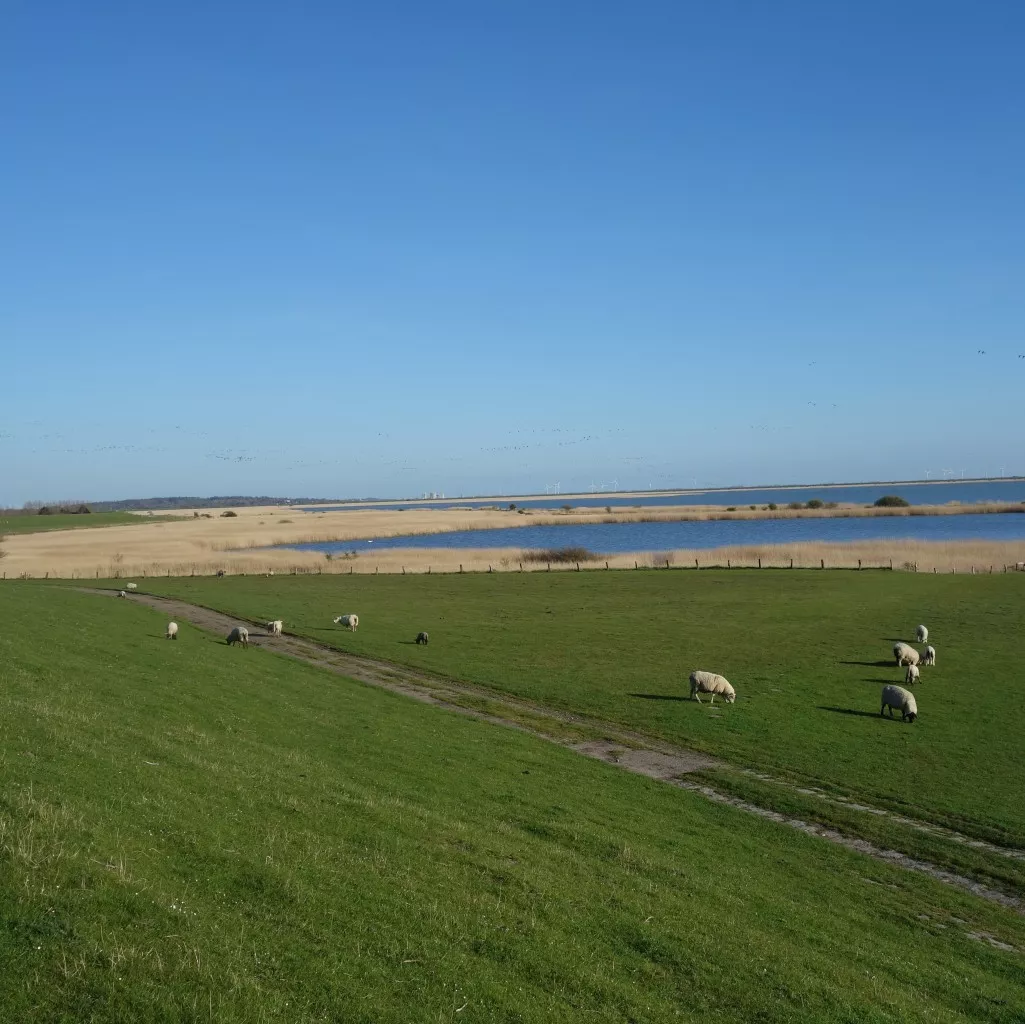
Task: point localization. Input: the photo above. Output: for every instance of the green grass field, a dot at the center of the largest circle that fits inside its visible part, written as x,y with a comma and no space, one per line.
808,653
40,524
194,832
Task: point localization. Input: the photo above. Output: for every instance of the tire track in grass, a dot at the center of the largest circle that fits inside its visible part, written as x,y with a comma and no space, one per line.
622,748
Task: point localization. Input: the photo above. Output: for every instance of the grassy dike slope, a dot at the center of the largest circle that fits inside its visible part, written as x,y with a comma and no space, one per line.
192,832
807,651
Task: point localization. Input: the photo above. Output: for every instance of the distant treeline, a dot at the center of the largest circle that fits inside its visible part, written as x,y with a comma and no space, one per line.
165,504
217,501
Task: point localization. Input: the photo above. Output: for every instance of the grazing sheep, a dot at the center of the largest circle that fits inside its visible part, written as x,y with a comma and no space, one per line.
709,682
239,635
351,621
921,634
172,631
913,675
275,627
421,638
121,593
901,699
131,586
929,656
905,654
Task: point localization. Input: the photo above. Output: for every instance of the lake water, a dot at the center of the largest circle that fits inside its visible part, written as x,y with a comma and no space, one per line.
613,538
861,494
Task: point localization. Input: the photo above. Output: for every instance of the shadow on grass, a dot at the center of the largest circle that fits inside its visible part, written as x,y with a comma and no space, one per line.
883,681
850,711
658,696
870,664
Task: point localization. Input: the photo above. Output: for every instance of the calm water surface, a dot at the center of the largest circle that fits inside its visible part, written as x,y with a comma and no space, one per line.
612,538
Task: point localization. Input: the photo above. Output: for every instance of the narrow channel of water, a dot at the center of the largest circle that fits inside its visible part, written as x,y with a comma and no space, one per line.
613,538
859,494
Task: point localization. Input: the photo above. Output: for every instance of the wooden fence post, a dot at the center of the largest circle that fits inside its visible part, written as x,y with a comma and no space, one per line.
759,563
859,563
460,566
549,566
891,565
607,565
403,570
728,566
635,566
578,567
822,563
791,563
428,570
695,563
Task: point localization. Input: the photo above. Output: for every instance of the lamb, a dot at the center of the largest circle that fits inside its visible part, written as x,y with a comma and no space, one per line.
901,699
131,586
172,631
905,654
913,675
421,638
350,621
121,593
709,682
239,635
275,627
921,634
929,656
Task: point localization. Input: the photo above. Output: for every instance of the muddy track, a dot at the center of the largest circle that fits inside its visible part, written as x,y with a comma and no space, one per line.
623,748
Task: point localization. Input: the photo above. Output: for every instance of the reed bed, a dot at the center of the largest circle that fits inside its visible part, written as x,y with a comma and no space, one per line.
900,556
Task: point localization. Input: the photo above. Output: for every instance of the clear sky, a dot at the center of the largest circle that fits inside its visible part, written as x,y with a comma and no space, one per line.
322,248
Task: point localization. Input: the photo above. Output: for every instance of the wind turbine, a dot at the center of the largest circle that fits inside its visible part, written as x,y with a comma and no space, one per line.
928,474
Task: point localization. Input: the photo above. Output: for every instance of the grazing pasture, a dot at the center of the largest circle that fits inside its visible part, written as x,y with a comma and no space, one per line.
808,653
189,832
33,523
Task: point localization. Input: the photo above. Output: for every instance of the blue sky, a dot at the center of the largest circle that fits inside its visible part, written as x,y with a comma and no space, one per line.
484,246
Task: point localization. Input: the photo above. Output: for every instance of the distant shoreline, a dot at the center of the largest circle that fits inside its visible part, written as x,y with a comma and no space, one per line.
668,492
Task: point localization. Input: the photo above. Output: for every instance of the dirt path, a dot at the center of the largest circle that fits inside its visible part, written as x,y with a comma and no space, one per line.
623,748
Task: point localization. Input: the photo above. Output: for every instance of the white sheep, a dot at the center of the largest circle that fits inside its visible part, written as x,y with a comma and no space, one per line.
351,621
710,682
929,656
913,675
905,654
275,627
172,631
901,699
131,586
121,593
422,638
239,635
921,634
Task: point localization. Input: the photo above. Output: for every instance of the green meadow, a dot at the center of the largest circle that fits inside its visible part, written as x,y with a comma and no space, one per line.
33,523
808,653
195,832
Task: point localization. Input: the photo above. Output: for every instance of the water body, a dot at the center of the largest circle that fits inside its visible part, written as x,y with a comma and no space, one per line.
858,494
613,538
